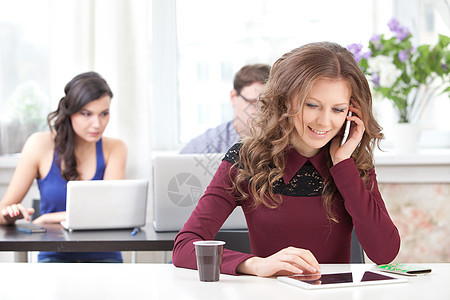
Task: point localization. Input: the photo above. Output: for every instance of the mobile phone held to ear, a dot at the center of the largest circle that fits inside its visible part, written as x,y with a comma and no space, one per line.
347,128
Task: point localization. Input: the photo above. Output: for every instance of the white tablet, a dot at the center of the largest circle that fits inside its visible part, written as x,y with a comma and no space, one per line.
345,279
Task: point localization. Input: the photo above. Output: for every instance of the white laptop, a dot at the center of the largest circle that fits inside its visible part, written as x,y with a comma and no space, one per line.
105,204
179,180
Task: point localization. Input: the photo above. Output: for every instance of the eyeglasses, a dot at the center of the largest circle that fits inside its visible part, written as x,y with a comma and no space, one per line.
251,101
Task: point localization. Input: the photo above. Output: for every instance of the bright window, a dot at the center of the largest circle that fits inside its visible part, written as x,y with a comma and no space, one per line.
218,39
24,71
214,39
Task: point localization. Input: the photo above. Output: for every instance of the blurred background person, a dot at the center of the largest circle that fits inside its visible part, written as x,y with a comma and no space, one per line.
73,149
247,86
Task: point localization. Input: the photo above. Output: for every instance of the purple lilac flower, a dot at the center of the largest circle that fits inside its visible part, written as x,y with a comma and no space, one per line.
355,49
375,38
376,41
367,54
393,25
403,55
402,33
444,66
376,80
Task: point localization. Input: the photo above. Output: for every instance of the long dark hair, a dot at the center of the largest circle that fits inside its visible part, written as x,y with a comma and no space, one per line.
81,90
292,77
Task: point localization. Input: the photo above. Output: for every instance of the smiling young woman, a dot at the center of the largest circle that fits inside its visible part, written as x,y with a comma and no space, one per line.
322,115
301,191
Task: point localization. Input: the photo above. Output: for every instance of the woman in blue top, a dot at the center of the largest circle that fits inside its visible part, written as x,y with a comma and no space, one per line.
74,149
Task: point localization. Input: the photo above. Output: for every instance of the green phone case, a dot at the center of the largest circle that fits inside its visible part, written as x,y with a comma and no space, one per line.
404,269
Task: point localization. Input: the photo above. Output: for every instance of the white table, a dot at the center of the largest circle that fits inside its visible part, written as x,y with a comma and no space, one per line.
164,281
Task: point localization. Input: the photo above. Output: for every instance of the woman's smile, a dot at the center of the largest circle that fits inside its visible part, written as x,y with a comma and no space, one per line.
318,132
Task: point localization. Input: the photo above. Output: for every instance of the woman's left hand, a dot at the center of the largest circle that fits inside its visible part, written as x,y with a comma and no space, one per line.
339,153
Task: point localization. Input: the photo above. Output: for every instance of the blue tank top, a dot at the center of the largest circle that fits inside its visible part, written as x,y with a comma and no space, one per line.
53,199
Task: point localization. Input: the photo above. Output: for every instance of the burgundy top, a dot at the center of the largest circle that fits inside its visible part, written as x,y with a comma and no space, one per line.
300,221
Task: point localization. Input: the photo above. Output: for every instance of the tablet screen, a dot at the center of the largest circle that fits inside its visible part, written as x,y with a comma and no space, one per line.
324,278
338,279
371,276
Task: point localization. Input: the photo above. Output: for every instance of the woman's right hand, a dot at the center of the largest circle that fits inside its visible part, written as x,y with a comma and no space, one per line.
287,261
15,212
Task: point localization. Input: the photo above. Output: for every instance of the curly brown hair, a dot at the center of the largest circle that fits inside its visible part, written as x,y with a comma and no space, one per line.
262,155
81,90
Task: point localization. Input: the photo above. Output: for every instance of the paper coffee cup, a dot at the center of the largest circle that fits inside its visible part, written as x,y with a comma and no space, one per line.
209,259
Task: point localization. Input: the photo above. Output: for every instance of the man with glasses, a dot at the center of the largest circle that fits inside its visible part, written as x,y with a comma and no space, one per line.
248,83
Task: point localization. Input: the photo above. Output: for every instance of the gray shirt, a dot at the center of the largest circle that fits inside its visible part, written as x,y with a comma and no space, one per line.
213,140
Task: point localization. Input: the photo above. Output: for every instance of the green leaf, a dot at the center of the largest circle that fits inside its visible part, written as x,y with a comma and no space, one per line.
423,66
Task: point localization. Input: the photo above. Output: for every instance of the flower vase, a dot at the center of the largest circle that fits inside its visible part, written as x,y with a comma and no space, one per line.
406,137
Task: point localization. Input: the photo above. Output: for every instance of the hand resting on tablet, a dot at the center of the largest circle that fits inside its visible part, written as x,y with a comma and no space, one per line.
287,261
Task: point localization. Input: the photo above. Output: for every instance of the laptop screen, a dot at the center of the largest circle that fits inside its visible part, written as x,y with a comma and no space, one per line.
105,204
179,180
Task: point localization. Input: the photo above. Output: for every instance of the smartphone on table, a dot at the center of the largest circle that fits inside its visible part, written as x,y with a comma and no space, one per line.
404,269
30,228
